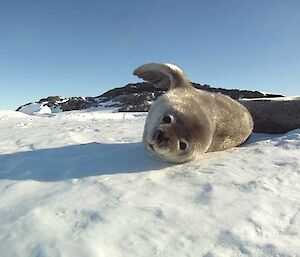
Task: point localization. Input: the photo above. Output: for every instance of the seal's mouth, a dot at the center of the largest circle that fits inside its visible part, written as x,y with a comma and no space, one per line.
158,149
164,155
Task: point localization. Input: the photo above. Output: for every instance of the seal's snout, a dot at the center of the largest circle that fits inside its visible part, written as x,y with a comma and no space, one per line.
160,138
158,135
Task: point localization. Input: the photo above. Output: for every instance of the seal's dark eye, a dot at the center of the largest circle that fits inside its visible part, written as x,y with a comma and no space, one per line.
167,119
182,145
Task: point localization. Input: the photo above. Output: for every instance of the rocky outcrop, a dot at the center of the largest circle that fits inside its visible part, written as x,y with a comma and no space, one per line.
270,112
58,103
139,96
277,115
71,103
235,93
134,97
133,88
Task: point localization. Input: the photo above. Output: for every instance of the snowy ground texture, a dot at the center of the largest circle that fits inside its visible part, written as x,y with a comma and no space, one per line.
81,184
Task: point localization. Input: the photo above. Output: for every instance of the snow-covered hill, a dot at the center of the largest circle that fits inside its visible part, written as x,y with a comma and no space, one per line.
81,184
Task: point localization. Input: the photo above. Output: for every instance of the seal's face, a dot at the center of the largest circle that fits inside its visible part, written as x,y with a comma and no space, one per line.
171,135
169,140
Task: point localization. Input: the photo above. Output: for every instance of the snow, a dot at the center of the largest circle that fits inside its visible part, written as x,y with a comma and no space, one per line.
81,184
35,108
281,99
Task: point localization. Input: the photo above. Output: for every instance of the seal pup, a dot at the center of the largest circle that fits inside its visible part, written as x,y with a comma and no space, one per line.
186,122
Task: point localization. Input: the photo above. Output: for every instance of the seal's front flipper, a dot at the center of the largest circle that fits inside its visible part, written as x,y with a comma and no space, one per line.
162,75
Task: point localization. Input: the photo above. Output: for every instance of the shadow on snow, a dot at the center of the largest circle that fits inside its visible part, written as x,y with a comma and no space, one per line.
77,161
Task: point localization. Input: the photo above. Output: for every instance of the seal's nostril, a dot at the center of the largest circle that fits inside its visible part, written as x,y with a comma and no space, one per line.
158,135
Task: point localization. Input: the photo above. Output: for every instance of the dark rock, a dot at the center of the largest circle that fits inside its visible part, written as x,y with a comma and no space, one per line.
51,99
274,116
235,93
78,103
133,88
138,97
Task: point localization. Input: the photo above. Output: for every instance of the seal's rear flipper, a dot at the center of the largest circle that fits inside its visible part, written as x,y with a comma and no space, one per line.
162,75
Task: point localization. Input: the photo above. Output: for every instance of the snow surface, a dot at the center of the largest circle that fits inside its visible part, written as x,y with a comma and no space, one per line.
35,108
81,184
277,99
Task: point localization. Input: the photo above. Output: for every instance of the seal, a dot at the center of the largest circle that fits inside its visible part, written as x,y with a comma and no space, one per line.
186,122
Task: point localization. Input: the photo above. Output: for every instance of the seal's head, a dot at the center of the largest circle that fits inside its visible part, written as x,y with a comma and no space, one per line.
169,140
174,131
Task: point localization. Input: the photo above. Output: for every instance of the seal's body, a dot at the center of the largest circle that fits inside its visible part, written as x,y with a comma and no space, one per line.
186,122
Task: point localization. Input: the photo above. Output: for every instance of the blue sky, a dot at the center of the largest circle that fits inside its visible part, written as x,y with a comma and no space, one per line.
83,48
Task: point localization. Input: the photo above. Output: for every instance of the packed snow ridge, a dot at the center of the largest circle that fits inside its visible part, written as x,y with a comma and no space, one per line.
80,183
